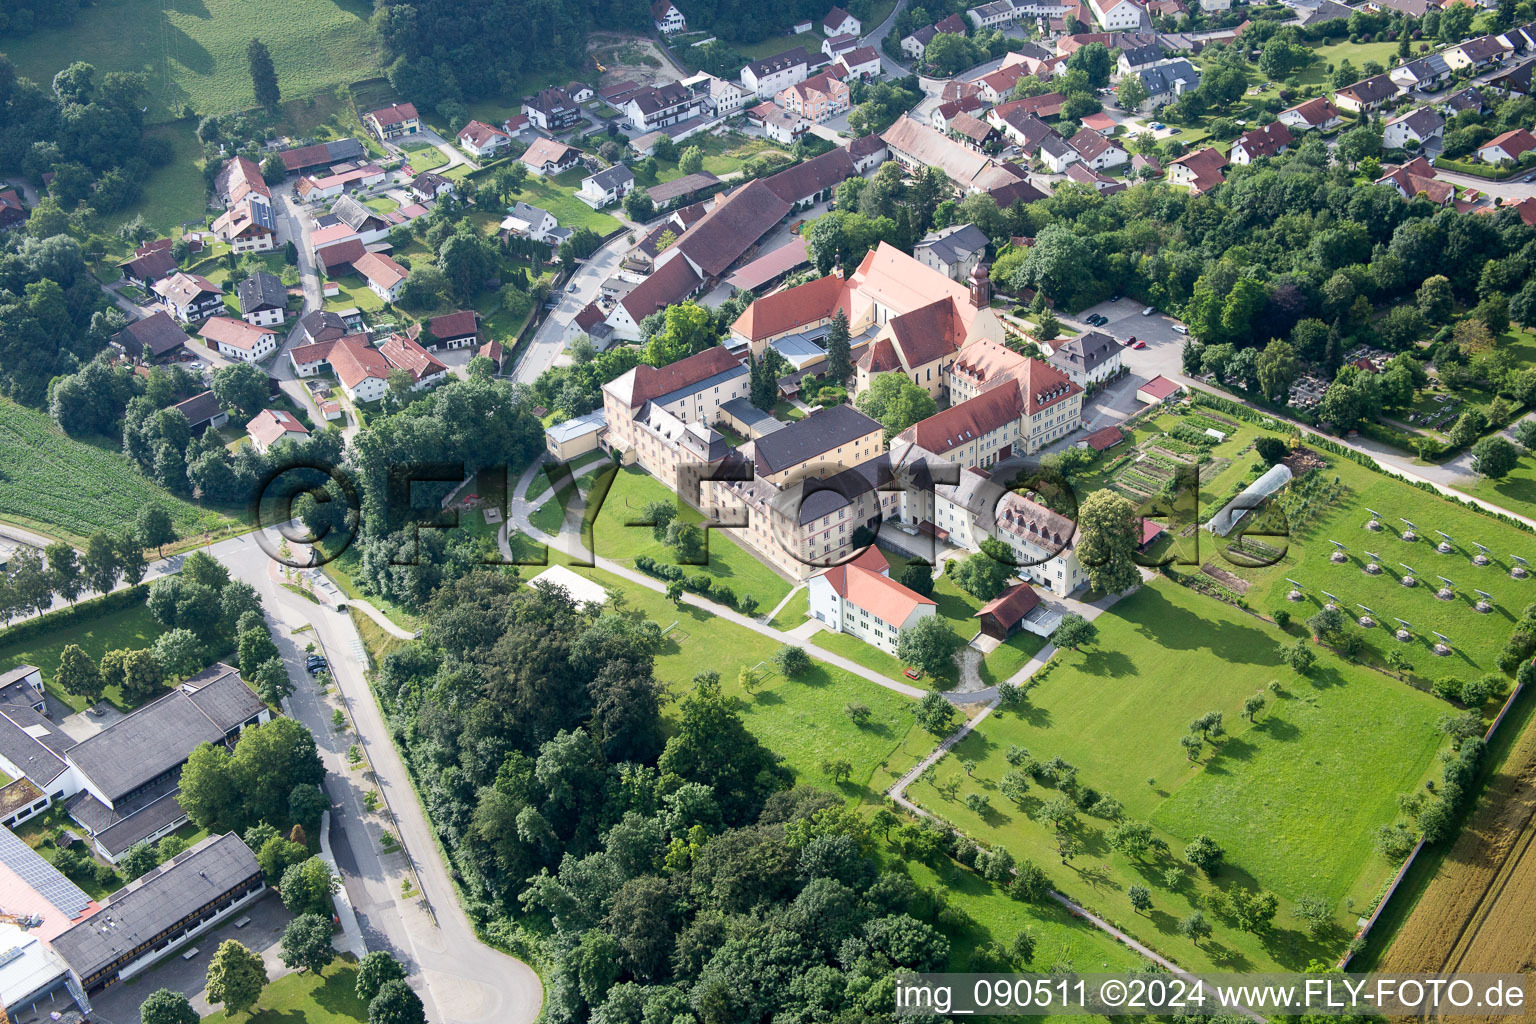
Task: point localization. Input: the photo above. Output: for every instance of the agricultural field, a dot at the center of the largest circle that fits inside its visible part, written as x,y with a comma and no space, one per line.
1468,906
56,485
1266,792
195,54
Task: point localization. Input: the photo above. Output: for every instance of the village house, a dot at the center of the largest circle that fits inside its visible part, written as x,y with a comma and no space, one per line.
1200,170
385,277
1166,81
1413,129
1367,95
992,15
203,412
449,331
552,109
12,210
1507,147
1478,54
273,425
836,46
1089,358
314,188
1137,57
818,98
1427,73
394,121
403,353
1097,151
1417,178
189,297
860,598
767,77
660,106
916,44
546,157
530,222
973,133
839,22
429,185
357,221
144,269
859,64
247,223
152,339
1318,113
669,21
1116,15
481,140
361,369
304,159
606,187
1257,143
263,299
237,339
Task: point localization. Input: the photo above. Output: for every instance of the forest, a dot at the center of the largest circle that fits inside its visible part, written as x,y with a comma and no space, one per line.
667,877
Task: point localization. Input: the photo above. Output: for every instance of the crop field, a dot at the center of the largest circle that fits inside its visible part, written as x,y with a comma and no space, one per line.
195,53
56,485
1475,913
1267,792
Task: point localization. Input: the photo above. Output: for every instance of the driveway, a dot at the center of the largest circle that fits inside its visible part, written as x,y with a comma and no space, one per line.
548,341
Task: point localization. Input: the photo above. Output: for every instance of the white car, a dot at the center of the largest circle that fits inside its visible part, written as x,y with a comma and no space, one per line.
1180,329
1149,311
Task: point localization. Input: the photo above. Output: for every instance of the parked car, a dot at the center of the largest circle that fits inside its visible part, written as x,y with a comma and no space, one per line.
1115,297
1157,126
1180,329
1175,131
1139,344
1129,341
1149,311
314,664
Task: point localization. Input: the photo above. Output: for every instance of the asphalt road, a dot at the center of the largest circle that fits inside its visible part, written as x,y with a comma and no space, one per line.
549,340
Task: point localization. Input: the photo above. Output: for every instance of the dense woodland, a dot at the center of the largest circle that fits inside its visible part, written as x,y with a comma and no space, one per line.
674,878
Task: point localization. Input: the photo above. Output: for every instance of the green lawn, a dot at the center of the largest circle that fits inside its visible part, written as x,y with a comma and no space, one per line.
327,998
1357,54
1270,794
354,292
131,628
174,194
793,613
343,572
63,487
729,563
424,156
558,196
723,154
195,53
1516,492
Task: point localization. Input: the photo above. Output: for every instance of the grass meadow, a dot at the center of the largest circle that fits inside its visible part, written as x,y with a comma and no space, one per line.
131,628
195,53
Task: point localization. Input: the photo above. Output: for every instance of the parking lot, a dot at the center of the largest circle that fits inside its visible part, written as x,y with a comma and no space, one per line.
1163,355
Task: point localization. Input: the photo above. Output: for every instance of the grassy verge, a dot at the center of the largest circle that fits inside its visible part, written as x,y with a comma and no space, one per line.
329,997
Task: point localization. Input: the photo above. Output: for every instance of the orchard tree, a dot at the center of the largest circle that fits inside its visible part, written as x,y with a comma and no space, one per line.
1140,897
1204,853
1074,631
935,714
1195,927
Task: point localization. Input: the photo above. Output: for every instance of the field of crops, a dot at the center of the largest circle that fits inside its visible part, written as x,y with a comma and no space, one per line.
56,485
195,53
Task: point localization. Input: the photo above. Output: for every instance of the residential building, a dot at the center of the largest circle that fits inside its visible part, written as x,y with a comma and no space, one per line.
394,121
361,369
1166,81
953,251
860,598
1056,153
1089,358
530,222
359,222
1200,170
941,115
992,15
338,259
659,106
1022,410
916,146
546,157
273,425
1367,95
1413,129
552,109
1318,113
1427,73
669,21
973,133
1257,143
144,269
916,44
320,325
1097,151
481,140
247,223
263,299
313,188
1514,82
1138,57
839,22
606,187
817,99
385,277
1478,54
1085,175
1116,15
429,185
237,339
1510,146
836,46
860,63
147,919
1417,178
997,86
403,353
151,339
769,76
449,331
868,152
189,297
780,125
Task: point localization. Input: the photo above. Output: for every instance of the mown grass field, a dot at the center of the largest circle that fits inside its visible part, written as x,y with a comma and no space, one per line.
329,997
195,53
131,628
1271,794
56,485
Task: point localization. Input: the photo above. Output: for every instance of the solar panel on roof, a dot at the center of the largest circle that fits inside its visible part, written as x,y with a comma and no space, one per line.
43,877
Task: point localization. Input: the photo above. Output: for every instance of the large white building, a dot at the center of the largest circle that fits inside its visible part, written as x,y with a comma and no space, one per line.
1042,542
860,598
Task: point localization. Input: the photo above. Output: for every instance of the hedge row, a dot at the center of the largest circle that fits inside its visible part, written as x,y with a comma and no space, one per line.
85,611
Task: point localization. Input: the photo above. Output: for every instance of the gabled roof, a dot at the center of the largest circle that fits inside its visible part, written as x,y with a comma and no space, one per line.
667,284
262,291
478,133
612,177
679,187
322,154
270,425
972,127
226,330
428,183
239,178
1103,440
1265,141
1371,90
461,324
1160,387
735,224
182,287
954,243
547,151
1046,104
835,17
1316,111
859,55
800,182
1161,79
1091,145
157,334
795,307
806,439
1513,142
155,263
928,332
961,424
397,114
322,325
963,166
1483,48
780,62
379,269
643,383
1423,122
354,360
342,253
405,354
1084,353
875,593
1205,164
1011,605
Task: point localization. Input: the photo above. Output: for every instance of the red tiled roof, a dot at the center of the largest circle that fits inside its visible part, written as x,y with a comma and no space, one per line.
960,424
397,114
650,382
877,594
1011,605
407,355
225,330
454,325
928,332
271,424
1265,141
318,352
341,254
792,308
737,221
1101,440
379,269
479,133
667,284
354,360
806,179
1160,387
1149,531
